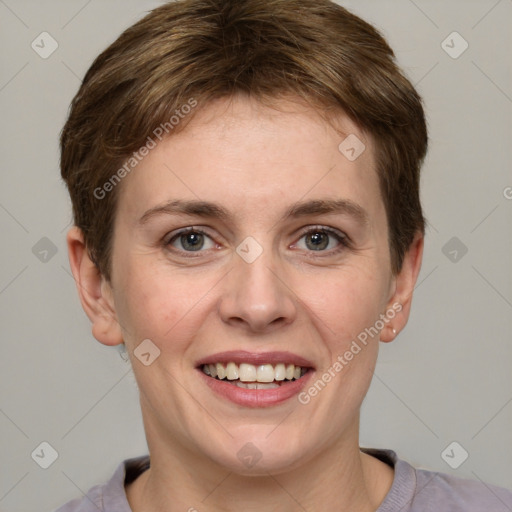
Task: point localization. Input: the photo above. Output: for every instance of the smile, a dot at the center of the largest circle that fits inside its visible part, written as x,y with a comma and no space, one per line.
250,376
255,379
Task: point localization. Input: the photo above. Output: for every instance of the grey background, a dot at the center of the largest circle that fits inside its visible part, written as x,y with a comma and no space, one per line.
447,376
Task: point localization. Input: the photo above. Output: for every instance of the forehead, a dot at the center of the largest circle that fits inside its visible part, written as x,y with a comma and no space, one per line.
256,159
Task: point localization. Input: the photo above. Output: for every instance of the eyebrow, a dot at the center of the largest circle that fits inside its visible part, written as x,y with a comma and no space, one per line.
207,209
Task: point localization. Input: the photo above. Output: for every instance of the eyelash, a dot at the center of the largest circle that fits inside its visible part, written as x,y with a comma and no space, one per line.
341,238
186,254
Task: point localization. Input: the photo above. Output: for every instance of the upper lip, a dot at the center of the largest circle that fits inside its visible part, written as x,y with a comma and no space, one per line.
241,356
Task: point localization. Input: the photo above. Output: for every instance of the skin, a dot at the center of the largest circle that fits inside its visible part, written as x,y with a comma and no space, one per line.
255,162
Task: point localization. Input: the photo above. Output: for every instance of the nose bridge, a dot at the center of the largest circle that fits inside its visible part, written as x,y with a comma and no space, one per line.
255,293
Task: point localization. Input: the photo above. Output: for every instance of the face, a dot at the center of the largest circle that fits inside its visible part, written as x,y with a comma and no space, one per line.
250,245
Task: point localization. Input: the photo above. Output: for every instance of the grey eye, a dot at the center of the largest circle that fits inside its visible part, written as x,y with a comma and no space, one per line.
192,240
320,240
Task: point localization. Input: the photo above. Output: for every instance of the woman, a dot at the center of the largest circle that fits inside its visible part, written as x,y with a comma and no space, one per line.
245,185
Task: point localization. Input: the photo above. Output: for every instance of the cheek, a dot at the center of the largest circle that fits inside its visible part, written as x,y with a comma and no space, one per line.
345,310
166,308
345,304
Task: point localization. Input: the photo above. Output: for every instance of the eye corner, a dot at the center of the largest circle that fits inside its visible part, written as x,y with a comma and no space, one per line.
169,239
342,238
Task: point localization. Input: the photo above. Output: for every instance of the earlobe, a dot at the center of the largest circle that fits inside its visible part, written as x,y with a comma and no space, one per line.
94,291
405,281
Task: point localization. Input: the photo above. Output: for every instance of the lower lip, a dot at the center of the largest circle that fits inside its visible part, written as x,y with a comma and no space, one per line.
256,397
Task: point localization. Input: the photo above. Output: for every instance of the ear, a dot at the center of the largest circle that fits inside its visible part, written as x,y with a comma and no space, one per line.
94,290
404,281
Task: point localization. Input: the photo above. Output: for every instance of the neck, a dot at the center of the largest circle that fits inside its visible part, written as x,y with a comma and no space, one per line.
338,478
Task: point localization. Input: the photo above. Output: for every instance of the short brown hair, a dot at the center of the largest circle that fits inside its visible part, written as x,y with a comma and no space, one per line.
211,49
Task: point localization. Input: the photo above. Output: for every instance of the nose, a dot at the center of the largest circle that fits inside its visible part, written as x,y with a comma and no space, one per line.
256,296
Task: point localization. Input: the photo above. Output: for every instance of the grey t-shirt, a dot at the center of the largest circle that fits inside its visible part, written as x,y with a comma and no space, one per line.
413,490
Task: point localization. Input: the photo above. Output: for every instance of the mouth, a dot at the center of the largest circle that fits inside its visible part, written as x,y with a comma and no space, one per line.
255,380
250,376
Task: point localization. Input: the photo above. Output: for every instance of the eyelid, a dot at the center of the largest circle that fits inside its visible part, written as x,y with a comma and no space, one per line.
343,239
327,229
173,235
344,244
183,231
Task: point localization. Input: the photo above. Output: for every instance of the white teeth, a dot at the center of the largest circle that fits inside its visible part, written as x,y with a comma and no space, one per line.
267,385
265,373
256,385
280,372
251,374
247,372
221,371
232,371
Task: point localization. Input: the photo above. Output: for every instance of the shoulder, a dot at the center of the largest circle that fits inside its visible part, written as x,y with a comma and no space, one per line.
454,493
91,502
419,490
110,496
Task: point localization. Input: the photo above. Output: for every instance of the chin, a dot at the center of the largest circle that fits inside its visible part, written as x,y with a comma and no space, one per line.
261,454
